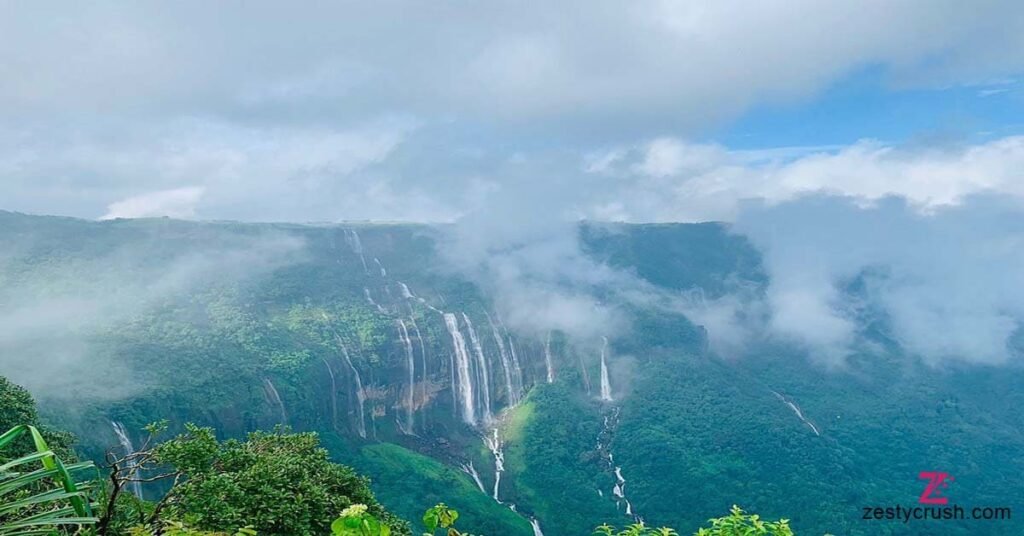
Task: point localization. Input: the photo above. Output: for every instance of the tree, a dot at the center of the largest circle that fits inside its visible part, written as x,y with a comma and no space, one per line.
273,482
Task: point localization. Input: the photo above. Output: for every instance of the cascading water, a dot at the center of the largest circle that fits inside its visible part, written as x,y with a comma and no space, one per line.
410,362
275,398
620,490
517,369
360,394
408,294
471,471
798,412
352,237
494,444
548,362
383,272
130,462
369,298
484,374
585,374
611,421
506,363
423,359
465,385
606,385
334,394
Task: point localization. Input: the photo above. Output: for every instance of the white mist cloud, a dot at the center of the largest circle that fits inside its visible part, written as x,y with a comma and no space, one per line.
53,313
947,281
670,180
636,61
176,203
289,112
937,231
213,169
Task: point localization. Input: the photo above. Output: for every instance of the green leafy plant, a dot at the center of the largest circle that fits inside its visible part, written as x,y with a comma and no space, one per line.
636,529
29,501
177,528
737,523
357,521
440,516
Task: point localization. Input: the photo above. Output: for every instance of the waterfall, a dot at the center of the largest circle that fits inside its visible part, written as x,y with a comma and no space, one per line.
471,471
465,387
352,237
547,358
407,294
423,360
485,387
410,396
620,484
606,386
611,421
369,298
506,363
129,450
383,272
271,392
799,413
517,369
494,445
620,492
360,395
585,374
334,394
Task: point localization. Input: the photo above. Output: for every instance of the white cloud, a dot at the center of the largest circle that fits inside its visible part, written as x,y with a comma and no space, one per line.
213,169
652,61
935,232
671,180
176,203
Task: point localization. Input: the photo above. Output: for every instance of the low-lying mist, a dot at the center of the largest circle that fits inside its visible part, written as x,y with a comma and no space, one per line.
57,304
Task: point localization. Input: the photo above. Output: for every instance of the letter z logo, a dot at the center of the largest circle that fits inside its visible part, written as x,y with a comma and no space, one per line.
933,491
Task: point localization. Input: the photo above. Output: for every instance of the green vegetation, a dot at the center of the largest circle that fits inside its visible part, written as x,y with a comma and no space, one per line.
273,483
405,481
554,469
38,500
737,523
179,335
356,520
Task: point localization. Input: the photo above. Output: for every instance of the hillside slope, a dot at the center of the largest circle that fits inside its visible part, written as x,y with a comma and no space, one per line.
406,367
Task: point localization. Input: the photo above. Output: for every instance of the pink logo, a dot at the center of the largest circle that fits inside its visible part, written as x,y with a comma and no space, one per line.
936,483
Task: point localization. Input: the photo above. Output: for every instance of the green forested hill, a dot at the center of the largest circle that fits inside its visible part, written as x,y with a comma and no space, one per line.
340,329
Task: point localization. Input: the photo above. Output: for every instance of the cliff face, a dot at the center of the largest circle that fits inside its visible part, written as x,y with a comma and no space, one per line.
361,332
359,329
586,394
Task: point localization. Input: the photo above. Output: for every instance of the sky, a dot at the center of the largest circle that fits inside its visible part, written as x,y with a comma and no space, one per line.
516,114
425,111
